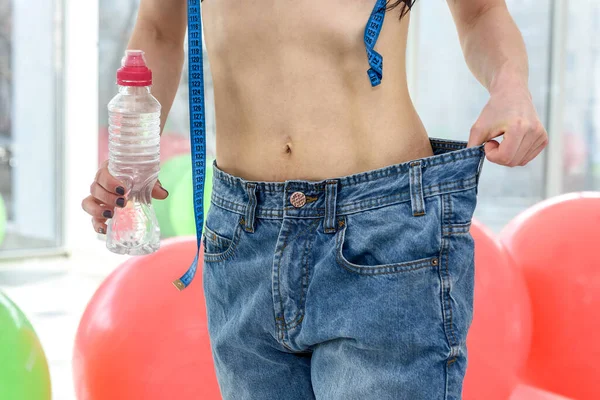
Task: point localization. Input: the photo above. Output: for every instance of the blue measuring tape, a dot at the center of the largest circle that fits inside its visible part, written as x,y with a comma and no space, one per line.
197,109
197,128
372,32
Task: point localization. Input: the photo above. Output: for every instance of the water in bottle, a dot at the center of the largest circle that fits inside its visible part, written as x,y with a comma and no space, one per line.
133,144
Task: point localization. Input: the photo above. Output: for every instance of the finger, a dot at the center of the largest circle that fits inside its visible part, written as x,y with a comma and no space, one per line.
109,182
490,146
159,192
478,135
99,225
505,152
102,169
104,196
96,209
539,145
102,166
527,144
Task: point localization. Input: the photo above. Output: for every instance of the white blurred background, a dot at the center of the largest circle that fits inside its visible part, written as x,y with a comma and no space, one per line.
57,73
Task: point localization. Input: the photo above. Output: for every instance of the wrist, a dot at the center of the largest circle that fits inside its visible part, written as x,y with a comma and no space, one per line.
509,78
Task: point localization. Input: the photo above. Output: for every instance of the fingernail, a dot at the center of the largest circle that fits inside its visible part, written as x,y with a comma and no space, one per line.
101,231
120,190
161,186
121,202
107,214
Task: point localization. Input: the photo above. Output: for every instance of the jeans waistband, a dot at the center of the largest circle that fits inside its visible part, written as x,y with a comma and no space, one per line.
453,167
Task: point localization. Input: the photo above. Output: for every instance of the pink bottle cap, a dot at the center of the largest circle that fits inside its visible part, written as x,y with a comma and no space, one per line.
133,71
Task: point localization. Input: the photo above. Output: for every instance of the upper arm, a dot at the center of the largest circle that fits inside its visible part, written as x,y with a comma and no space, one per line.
167,18
467,12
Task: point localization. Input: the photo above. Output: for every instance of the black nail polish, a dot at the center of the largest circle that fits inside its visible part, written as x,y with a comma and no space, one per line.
107,214
121,202
120,190
101,231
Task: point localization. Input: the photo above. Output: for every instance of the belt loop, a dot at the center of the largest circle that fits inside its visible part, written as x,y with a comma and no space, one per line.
416,189
330,206
250,208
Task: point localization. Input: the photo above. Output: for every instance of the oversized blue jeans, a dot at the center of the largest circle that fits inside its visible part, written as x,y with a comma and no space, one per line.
359,287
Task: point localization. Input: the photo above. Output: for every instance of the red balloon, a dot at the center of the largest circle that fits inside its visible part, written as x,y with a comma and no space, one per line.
173,144
525,392
500,335
141,338
556,244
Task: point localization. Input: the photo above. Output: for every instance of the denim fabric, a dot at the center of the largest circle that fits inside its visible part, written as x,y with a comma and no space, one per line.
363,292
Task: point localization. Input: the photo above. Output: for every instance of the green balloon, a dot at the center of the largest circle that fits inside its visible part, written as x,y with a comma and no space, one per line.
2,219
24,370
175,214
182,206
170,174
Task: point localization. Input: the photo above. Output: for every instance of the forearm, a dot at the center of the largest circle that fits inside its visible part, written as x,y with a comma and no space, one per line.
494,49
165,58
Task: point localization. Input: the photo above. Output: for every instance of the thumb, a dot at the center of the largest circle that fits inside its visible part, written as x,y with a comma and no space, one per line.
159,192
478,135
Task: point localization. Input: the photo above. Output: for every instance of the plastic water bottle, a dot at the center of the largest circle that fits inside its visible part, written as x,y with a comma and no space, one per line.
134,155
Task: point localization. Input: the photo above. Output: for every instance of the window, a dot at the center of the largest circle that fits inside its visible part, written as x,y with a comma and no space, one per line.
581,103
30,135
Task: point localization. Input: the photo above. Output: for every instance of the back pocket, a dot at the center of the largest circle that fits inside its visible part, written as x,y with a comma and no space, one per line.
390,239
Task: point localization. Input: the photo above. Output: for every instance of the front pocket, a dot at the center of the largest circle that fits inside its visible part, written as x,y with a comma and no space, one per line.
214,243
390,240
221,234
218,248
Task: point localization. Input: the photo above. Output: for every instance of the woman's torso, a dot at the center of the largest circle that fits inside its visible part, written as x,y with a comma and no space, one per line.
292,96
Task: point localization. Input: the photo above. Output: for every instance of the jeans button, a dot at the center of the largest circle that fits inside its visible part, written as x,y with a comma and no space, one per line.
298,199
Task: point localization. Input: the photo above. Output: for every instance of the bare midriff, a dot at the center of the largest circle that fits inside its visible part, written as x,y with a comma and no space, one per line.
292,96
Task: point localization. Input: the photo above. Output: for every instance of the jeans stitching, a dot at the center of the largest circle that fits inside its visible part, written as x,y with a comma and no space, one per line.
250,210
346,208
227,204
411,188
307,268
330,204
227,254
349,208
356,206
421,200
307,249
282,310
457,229
396,268
448,290
403,168
296,321
419,184
218,240
451,208
284,246
443,300
444,274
